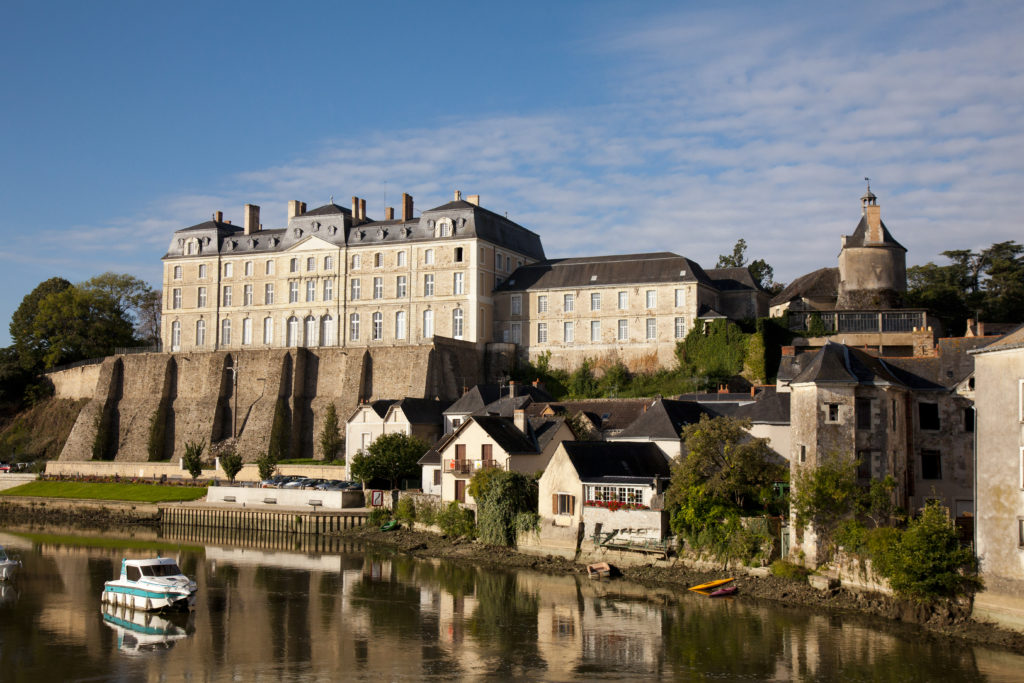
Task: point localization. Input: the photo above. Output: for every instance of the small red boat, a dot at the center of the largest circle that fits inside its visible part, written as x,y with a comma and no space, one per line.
723,592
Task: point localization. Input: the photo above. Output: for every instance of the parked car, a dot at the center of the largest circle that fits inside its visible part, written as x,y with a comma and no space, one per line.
329,485
4,467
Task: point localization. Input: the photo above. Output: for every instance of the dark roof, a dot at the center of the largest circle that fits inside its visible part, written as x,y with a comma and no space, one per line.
664,419
505,433
839,363
707,313
423,410
818,284
328,209
227,228
1012,340
480,396
770,408
858,238
381,406
544,430
616,461
951,364
431,457
606,414
596,271
493,227
732,278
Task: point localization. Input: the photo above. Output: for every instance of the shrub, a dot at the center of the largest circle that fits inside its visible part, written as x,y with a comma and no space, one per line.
788,570
193,460
331,440
405,510
426,512
266,464
500,497
455,520
378,516
231,463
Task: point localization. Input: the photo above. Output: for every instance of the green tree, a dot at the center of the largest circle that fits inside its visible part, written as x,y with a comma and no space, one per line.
503,497
391,456
582,383
615,380
331,441
265,465
762,273
717,355
1004,282
193,460
29,347
75,324
133,297
231,463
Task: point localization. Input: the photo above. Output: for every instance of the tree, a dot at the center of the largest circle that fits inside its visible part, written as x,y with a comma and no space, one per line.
29,347
231,463
762,273
503,497
391,456
75,324
582,383
265,465
193,460
331,441
133,297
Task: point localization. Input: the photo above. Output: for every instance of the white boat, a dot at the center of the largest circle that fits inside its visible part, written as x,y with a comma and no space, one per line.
141,632
150,585
7,565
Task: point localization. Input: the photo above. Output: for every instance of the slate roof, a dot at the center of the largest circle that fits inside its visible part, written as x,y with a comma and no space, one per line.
705,312
837,363
214,225
1012,340
621,462
423,411
506,434
951,364
772,408
327,210
857,239
664,420
727,279
480,396
818,284
606,414
595,271
380,406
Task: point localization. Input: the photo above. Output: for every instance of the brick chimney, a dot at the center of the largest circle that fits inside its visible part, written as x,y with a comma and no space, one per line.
473,199
389,213
788,350
296,208
458,195
218,216
252,219
873,216
355,209
512,388
519,419
406,207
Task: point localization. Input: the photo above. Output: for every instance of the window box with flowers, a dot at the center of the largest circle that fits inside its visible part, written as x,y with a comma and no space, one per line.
615,505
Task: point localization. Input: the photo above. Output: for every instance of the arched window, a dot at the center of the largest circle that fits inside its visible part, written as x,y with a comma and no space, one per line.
200,333
353,327
293,265
428,324
293,331
268,331
327,331
175,336
457,323
310,332
177,272
225,332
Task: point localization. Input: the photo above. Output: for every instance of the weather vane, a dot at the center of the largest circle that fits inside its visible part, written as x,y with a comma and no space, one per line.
868,181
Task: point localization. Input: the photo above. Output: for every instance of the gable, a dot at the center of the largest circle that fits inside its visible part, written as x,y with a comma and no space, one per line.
312,244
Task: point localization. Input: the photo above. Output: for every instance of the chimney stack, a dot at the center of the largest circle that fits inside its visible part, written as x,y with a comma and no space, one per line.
519,419
355,209
512,388
789,351
473,199
362,209
389,213
406,207
296,208
218,216
252,219
458,195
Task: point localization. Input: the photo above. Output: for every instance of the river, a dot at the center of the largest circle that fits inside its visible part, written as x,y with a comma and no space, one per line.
285,609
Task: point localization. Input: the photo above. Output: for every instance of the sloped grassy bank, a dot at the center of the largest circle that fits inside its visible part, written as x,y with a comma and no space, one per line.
783,593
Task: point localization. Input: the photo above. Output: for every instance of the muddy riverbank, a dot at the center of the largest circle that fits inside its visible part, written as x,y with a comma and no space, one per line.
940,621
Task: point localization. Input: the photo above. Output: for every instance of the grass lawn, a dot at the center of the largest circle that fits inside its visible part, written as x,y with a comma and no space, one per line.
136,493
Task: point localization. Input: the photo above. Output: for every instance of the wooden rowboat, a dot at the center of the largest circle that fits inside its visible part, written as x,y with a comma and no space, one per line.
710,585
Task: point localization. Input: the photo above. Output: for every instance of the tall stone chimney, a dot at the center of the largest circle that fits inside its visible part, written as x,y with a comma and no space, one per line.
355,209
218,216
873,215
473,199
252,219
389,213
458,195
296,208
519,419
406,207
362,209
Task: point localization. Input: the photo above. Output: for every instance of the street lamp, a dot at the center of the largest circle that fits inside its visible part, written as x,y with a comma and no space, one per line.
233,368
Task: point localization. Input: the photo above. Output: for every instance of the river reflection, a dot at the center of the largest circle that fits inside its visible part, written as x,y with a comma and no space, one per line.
264,612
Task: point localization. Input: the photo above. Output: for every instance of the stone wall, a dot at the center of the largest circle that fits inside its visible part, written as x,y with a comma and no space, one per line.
229,398
75,383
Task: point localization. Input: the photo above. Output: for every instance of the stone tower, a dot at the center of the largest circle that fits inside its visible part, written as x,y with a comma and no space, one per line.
872,265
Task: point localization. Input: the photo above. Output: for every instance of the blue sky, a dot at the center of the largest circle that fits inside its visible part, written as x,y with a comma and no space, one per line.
606,127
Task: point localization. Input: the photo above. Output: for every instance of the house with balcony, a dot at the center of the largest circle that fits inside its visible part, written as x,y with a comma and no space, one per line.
483,441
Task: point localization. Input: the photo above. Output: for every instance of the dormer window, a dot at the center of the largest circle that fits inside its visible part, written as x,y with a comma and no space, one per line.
444,228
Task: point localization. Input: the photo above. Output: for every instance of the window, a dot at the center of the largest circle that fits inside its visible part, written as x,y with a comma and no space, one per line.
269,268
357,260
400,325
458,254
428,285
862,409
517,333
428,257
428,324
202,270
437,477
175,335
595,331
247,295
327,331
293,331
354,285
1020,400
542,333
310,331
623,330
293,292
969,419
200,333
542,304
310,264
247,331
457,323
680,297
601,493
931,465
310,290
680,327
652,298
400,287
201,298
595,302
568,332
328,262
378,288
803,453
401,258
268,293
176,298
1020,532
227,295
190,248
508,263
225,332
497,261
177,272
377,326
328,290
457,283
928,414
517,304
353,327
293,265
652,329
623,301
378,260
568,302
833,412
268,331
248,268
229,269
563,504
863,467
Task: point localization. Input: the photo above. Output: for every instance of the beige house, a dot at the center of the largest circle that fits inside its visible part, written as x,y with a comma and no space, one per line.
483,441
999,401
419,417
599,487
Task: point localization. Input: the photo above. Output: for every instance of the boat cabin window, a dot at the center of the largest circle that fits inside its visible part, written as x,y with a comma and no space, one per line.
160,570
132,572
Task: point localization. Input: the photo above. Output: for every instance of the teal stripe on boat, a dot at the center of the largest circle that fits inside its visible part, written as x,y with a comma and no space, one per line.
143,593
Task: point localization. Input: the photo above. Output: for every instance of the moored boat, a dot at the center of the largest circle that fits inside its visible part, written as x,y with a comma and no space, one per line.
7,566
141,632
150,585
706,588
